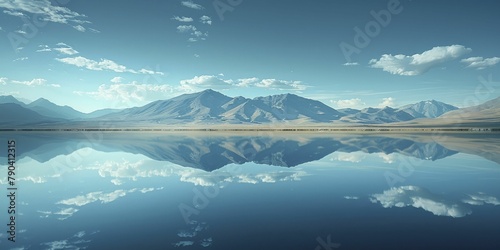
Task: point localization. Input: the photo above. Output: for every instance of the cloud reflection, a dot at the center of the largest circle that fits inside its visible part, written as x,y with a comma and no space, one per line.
481,199
420,198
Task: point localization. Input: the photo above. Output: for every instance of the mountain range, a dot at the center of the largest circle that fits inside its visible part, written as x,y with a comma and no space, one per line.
211,107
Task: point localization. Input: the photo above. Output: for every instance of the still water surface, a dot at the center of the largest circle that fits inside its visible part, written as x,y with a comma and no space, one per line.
157,191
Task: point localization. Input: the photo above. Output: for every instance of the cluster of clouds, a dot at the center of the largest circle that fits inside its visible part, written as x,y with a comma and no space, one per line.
418,64
217,82
76,241
90,64
120,172
46,11
188,236
413,196
134,92
188,26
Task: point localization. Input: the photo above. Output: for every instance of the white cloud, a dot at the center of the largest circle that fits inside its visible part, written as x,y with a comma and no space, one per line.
117,79
63,48
419,63
419,198
205,82
43,8
79,28
183,19
351,64
131,92
20,59
280,84
3,80
22,32
206,20
67,51
1,29
193,31
103,64
192,5
34,82
247,82
349,103
13,13
55,85
44,48
387,102
480,63
481,199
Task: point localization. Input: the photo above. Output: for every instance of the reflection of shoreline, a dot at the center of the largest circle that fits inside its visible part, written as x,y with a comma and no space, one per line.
278,128
213,151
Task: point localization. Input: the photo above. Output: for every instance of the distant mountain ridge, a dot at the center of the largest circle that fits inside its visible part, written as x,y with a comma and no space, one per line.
212,107
428,109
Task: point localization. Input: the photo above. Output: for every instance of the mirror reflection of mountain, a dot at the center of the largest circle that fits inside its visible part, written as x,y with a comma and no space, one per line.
213,152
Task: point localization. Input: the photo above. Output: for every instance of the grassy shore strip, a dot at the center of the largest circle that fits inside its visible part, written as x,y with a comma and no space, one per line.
264,129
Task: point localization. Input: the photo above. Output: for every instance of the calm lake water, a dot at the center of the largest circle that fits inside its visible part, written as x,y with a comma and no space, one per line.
158,191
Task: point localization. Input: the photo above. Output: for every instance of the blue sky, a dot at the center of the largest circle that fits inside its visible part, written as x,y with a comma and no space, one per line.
100,54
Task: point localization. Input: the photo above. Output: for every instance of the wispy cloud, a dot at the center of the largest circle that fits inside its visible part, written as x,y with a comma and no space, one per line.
419,63
34,82
83,200
351,64
103,64
192,5
79,28
280,84
20,59
44,9
206,20
481,63
3,80
183,19
13,13
62,48
117,79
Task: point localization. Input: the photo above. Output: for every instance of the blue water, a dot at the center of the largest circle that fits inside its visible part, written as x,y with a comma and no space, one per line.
283,192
